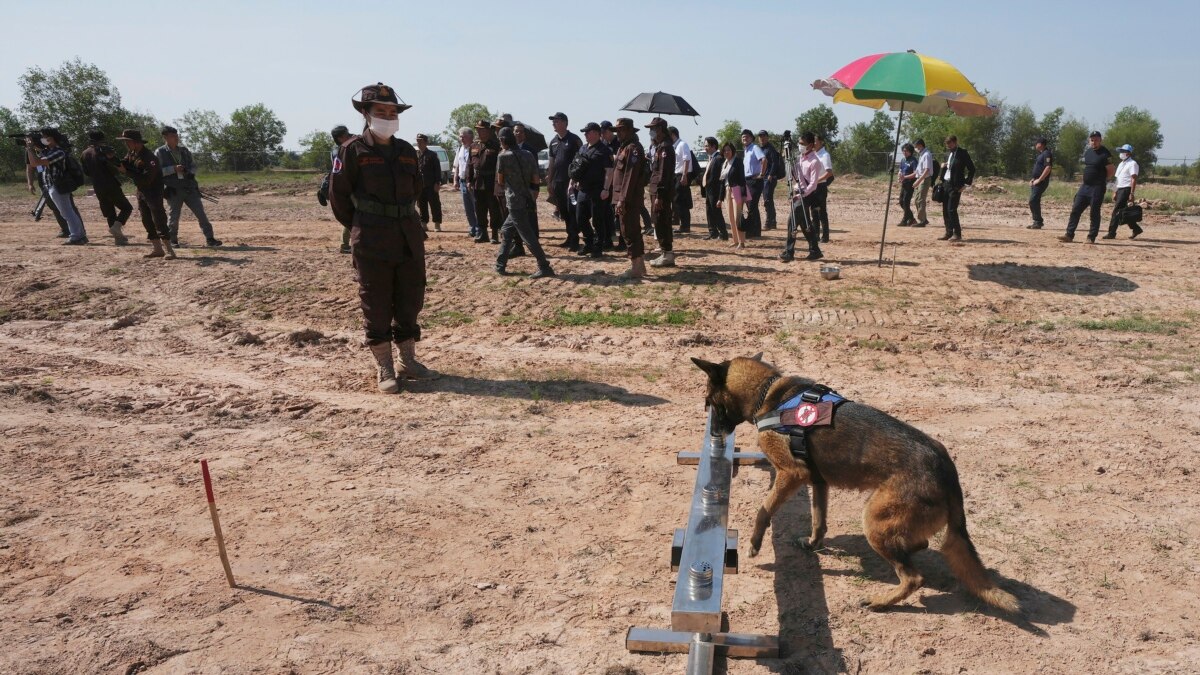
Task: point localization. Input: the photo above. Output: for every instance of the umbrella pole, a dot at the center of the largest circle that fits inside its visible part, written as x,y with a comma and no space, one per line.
891,181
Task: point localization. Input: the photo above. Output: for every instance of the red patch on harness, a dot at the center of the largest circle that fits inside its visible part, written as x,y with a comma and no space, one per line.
364,160
808,415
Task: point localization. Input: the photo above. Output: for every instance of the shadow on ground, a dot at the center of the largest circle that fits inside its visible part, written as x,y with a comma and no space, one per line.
1039,607
533,390
805,640
1072,280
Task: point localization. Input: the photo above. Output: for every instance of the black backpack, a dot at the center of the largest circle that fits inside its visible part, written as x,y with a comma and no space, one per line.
72,175
778,170
578,168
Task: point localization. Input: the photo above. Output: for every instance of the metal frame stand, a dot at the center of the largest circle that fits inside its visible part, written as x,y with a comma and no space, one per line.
703,554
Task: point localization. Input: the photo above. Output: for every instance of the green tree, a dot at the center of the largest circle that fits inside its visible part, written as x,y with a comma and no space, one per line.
253,139
1020,132
74,97
12,154
1138,128
315,149
931,128
1051,125
730,132
1068,151
201,130
868,145
465,115
819,120
982,137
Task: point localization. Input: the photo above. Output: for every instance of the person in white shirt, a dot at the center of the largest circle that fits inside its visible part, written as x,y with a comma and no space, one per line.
822,205
683,193
923,180
462,161
1126,177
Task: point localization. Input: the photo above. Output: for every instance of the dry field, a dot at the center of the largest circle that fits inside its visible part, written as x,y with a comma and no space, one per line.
515,516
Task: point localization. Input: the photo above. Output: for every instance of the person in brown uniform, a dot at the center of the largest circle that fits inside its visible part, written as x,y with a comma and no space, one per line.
662,190
482,176
431,181
99,163
628,189
373,190
141,166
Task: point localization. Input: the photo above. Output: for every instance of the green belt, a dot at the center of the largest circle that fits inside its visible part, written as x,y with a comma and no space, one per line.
377,208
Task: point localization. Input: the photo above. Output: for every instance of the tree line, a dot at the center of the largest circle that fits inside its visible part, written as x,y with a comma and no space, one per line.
1001,145
77,96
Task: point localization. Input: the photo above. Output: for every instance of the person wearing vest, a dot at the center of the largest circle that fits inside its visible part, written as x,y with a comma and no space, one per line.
142,168
373,191
180,187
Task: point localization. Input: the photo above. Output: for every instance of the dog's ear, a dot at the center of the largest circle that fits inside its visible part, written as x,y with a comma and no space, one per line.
716,371
757,357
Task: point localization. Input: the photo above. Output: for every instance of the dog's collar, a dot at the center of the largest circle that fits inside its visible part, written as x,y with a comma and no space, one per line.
762,397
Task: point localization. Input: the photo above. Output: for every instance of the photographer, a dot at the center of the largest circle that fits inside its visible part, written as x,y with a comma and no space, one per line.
61,176
34,140
99,163
180,187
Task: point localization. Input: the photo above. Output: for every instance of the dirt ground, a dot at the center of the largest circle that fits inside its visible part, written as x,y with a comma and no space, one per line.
515,516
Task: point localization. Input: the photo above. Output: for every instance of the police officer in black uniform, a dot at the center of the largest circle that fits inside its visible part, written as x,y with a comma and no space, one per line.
373,191
99,162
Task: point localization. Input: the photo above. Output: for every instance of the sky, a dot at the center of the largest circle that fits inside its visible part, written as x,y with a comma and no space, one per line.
753,62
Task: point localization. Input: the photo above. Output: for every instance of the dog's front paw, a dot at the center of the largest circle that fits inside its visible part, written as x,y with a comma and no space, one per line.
875,604
753,551
814,543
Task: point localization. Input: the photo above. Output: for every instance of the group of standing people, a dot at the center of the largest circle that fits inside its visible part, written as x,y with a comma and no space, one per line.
163,177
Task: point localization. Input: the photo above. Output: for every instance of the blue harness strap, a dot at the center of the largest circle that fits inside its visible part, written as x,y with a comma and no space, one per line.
812,407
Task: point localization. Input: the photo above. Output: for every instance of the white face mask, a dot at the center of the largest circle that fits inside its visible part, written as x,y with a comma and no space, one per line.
384,128
1124,155
45,141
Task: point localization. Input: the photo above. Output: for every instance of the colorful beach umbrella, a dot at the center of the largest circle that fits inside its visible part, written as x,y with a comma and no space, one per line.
906,82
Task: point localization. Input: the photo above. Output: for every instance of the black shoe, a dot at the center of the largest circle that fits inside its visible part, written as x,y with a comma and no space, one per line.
175,243
564,244
501,271
1035,226
620,246
495,240
345,248
769,226
597,254
573,248
1067,238
517,253
825,240
63,235
584,251
710,237
724,237
786,257
1136,231
904,224
213,243
814,255
923,223
957,237
482,239
1091,240
75,242
944,237
1110,235
608,246
542,274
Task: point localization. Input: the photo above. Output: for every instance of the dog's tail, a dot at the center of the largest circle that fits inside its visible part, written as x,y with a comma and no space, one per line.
964,561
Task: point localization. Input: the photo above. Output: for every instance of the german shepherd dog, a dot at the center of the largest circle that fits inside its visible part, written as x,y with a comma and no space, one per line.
914,484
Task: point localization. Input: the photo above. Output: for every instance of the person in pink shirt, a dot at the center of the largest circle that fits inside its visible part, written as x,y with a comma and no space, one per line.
808,172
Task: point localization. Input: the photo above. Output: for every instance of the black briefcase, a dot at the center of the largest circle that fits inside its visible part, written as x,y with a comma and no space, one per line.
1132,214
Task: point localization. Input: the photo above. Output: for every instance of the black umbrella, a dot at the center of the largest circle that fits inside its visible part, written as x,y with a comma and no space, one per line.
535,139
660,103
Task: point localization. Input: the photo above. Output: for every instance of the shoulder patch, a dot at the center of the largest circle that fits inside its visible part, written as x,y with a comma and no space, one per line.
337,164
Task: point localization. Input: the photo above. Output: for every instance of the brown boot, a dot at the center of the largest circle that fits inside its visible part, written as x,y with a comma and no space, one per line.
119,237
386,370
410,368
637,269
170,251
158,250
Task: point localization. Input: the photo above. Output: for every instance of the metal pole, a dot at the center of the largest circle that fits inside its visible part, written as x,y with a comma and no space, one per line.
891,180
701,655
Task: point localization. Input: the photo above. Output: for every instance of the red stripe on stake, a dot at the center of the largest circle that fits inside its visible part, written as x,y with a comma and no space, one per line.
212,511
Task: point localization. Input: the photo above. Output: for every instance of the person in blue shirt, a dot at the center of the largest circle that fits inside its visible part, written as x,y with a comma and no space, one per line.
755,165
908,178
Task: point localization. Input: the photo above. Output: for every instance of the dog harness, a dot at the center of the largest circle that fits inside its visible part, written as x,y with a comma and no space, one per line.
812,407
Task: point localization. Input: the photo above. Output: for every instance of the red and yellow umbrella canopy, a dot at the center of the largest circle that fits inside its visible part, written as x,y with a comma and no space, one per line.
915,81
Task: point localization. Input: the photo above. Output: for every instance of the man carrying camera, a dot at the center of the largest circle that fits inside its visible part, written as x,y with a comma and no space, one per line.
33,140
61,176
100,164
180,187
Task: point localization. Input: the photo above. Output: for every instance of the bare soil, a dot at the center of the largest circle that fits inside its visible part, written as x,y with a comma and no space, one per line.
515,516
